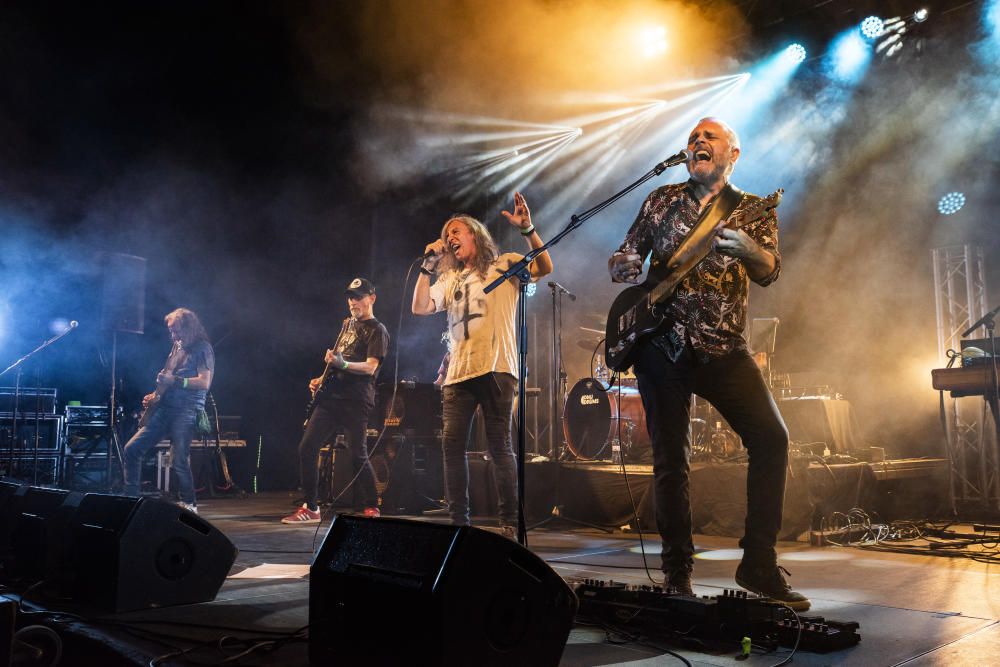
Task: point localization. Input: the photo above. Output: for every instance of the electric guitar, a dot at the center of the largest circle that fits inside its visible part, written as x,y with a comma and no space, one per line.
638,311
151,406
329,373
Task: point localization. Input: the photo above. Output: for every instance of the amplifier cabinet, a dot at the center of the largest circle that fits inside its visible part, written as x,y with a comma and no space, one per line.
85,473
86,439
29,399
50,434
87,414
23,468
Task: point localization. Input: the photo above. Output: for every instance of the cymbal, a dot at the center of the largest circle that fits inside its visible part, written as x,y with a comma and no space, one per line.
599,320
600,332
588,343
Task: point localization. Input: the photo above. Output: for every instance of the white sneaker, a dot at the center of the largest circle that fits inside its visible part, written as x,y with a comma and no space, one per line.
190,507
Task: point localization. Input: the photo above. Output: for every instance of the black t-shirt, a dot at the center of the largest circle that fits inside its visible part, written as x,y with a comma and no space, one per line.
359,340
189,363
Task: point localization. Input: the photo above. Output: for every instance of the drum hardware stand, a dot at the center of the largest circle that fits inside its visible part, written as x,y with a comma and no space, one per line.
558,381
520,270
17,389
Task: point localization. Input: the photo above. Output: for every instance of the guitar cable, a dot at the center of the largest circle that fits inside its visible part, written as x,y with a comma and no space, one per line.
615,382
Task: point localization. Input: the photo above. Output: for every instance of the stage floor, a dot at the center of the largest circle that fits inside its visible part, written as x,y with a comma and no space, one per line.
912,609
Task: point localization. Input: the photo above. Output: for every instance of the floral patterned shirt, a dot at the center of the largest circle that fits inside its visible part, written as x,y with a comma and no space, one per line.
709,309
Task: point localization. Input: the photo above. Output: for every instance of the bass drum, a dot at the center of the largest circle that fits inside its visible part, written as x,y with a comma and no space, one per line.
591,417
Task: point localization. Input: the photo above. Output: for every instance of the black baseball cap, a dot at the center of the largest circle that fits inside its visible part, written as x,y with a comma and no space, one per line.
360,287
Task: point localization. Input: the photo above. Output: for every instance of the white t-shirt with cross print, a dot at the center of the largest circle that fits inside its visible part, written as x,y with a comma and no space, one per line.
482,327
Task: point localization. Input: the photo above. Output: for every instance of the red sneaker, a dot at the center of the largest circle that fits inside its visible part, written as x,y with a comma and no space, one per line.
302,515
372,512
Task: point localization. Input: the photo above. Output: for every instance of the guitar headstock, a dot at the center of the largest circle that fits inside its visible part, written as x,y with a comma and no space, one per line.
757,210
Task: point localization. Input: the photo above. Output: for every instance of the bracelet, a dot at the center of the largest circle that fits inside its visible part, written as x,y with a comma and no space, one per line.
346,364
529,231
184,385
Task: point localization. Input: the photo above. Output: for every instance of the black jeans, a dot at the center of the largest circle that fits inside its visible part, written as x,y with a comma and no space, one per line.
495,393
330,415
734,385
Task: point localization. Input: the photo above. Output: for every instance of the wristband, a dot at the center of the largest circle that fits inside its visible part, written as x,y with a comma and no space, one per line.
529,231
344,367
184,385
424,271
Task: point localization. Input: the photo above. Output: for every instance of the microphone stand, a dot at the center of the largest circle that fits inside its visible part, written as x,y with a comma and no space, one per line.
520,270
17,389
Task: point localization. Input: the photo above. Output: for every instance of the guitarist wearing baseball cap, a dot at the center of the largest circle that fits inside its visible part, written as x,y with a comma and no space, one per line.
342,398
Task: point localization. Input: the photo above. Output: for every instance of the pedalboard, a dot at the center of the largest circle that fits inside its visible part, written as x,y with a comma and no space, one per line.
723,619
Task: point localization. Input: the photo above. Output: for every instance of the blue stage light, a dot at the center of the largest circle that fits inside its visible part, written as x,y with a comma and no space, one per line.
796,53
848,57
872,27
530,289
951,203
991,16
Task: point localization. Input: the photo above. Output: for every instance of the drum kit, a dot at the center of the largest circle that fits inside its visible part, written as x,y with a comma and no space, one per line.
605,422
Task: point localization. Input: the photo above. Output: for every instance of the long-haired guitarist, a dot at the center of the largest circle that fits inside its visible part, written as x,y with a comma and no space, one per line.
171,409
700,349
342,398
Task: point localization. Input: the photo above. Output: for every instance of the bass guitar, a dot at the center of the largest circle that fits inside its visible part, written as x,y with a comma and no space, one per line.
638,311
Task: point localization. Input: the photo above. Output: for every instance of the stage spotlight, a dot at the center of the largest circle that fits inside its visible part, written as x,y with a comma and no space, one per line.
60,325
653,41
872,27
796,53
951,203
920,15
530,289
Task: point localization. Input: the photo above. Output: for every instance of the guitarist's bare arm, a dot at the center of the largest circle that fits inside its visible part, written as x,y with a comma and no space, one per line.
625,267
736,243
202,381
366,367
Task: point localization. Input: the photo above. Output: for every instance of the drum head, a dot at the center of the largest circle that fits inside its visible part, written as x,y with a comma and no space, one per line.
587,420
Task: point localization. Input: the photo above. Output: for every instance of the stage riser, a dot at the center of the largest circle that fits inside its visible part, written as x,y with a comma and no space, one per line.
597,494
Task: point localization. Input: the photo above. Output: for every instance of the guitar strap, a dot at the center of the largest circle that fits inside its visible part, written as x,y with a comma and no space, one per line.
698,242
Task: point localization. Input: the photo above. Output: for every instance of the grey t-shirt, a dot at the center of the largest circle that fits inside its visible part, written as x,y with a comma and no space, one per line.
188,363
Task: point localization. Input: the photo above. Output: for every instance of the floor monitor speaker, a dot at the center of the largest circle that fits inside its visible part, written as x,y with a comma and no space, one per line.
457,596
132,553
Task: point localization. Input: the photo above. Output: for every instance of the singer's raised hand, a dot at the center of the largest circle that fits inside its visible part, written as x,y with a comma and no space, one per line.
521,217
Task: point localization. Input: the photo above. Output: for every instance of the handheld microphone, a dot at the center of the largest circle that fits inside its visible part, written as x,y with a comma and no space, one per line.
674,160
557,286
428,254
